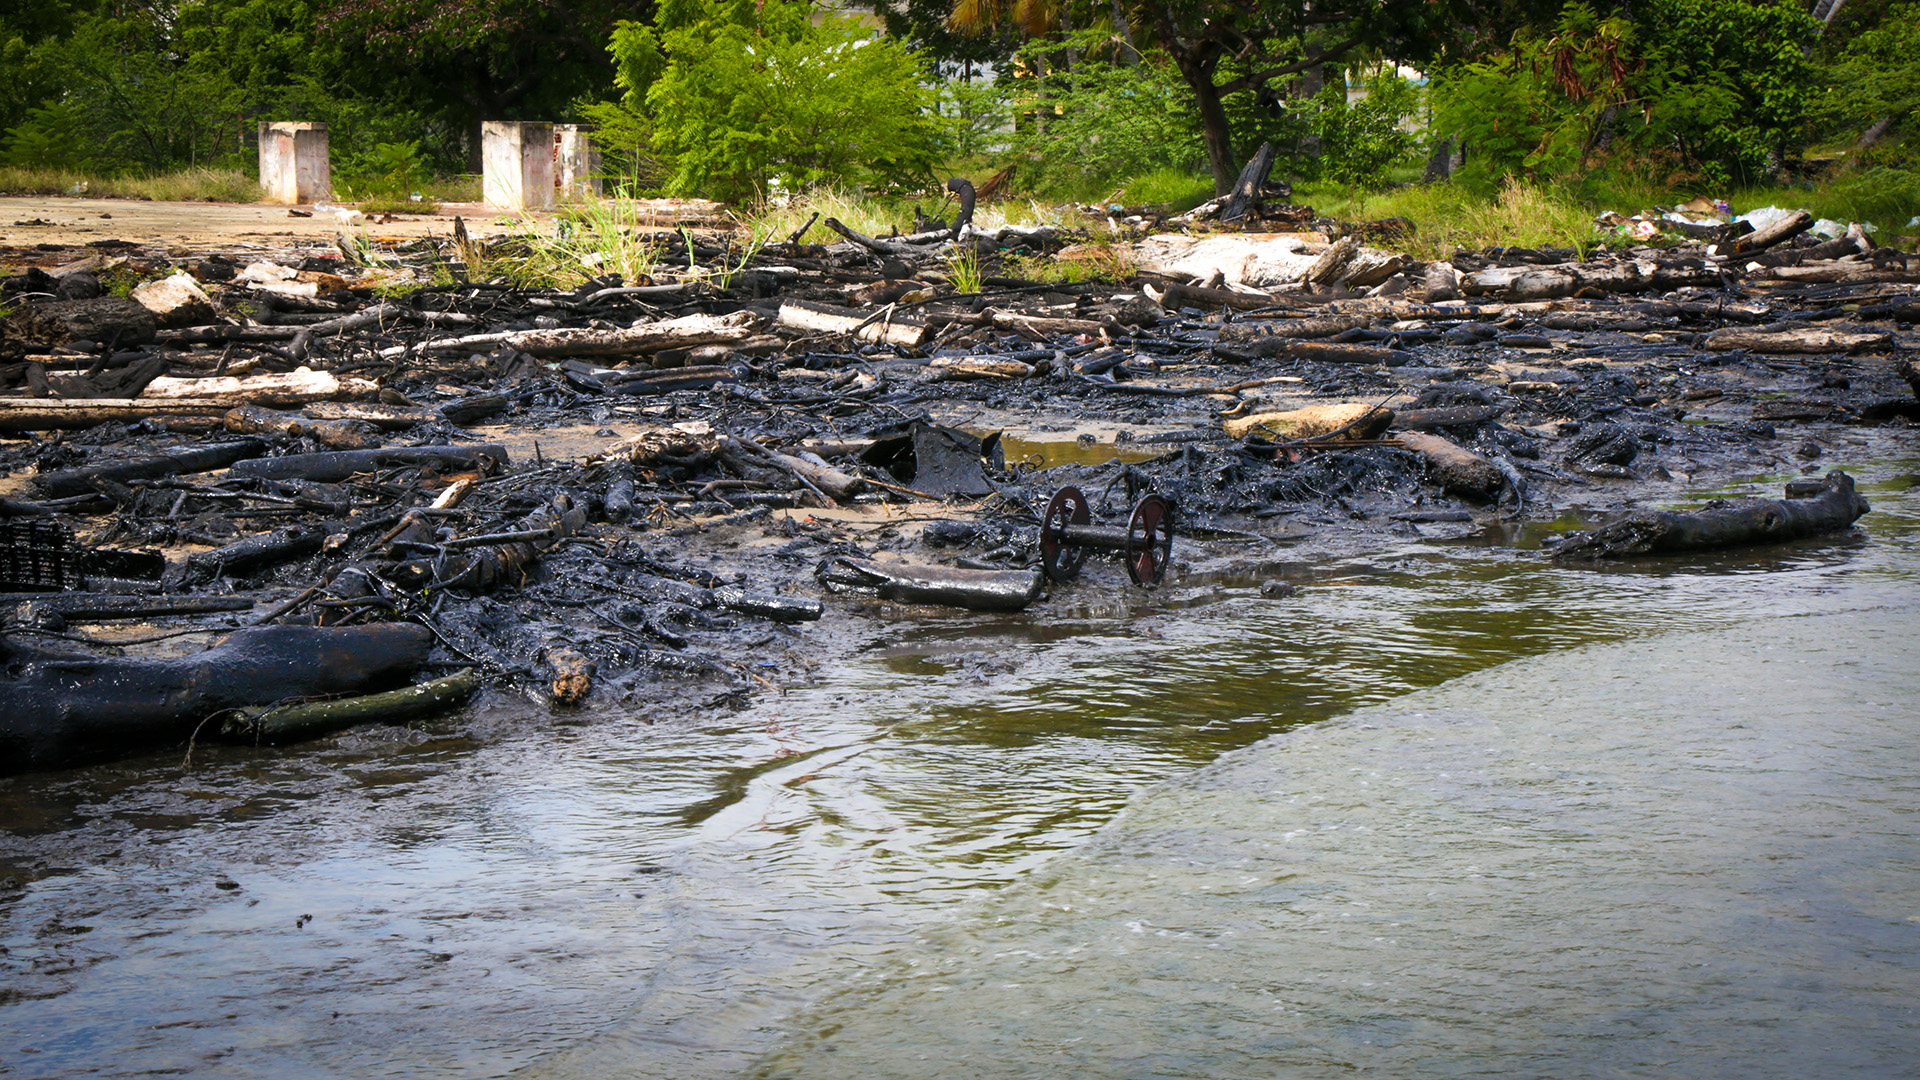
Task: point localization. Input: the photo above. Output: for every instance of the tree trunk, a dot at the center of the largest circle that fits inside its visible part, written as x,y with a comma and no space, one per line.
69,708
1128,54
975,590
1835,506
1198,72
289,723
55,485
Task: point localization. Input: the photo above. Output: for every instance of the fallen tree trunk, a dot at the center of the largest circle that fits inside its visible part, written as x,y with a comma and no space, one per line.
294,388
1316,351
646,338
1458,470
54,414
1453,416
101,607
975,590
1862,272
1357,419
66,482
338,434
290,723
1761,239
1809,340
1835,506
1177,296
866,325
382,416
68,709
1524,283
341,464
256,553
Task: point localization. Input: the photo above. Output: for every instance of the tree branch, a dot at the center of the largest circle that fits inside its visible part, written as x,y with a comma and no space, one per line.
1249,81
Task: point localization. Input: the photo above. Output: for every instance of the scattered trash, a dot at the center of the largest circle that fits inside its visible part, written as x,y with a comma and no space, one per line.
616,492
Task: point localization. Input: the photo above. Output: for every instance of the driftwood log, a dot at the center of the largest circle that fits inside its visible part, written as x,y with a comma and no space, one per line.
65,482
975,590
289,723
71,708
1833,506
1456,468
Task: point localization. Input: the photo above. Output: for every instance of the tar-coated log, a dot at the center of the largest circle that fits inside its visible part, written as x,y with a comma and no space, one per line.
1318,352
1454,416
566,672
338,434
341,464
100,607
256,553
55,485
282,724
70,708
1836,506
975,590
1457,469
780,609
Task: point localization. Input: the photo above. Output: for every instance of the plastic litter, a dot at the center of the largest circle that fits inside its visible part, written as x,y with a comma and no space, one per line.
1765,216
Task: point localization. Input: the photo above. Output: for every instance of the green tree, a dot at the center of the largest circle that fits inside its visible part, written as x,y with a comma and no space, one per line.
464,61
1238,47
1869,67
1105,120
743,97
1717,85
126,97
1361,140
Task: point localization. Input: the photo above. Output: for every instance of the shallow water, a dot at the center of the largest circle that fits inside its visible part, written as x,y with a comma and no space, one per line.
676,896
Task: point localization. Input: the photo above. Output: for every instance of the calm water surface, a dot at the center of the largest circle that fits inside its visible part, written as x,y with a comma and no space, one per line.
1657,821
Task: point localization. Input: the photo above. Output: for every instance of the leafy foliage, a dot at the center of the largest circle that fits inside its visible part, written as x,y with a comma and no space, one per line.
1717,85
747,99
116,96
1361,140
1094,124
1869,74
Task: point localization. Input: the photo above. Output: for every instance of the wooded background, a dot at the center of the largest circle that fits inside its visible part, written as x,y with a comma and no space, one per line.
738,99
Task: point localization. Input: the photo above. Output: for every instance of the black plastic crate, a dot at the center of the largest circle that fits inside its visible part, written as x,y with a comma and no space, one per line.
38,556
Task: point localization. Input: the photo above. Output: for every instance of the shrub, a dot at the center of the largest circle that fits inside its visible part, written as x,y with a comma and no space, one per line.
745,99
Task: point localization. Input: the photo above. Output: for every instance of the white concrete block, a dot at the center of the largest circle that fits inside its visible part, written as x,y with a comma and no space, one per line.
293,162
577,162
517,164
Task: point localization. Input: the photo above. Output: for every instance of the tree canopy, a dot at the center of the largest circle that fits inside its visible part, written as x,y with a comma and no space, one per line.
734,97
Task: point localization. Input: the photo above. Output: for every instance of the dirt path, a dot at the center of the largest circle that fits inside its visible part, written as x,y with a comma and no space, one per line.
40,231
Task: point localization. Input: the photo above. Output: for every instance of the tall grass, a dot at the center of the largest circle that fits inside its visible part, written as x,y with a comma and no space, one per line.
879,215
586,240
186,185
1448,219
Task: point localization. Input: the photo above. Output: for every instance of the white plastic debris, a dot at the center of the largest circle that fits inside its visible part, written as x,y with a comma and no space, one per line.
1829,228
1765,216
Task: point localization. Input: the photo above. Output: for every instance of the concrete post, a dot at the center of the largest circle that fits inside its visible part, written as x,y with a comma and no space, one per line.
293,162
577,162
516,162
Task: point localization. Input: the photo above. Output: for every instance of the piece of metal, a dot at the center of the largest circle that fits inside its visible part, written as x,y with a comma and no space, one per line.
1061,556
1149,541
1145,544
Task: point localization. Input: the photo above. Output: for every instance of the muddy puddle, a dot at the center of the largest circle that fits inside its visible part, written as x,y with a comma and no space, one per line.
1057,843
